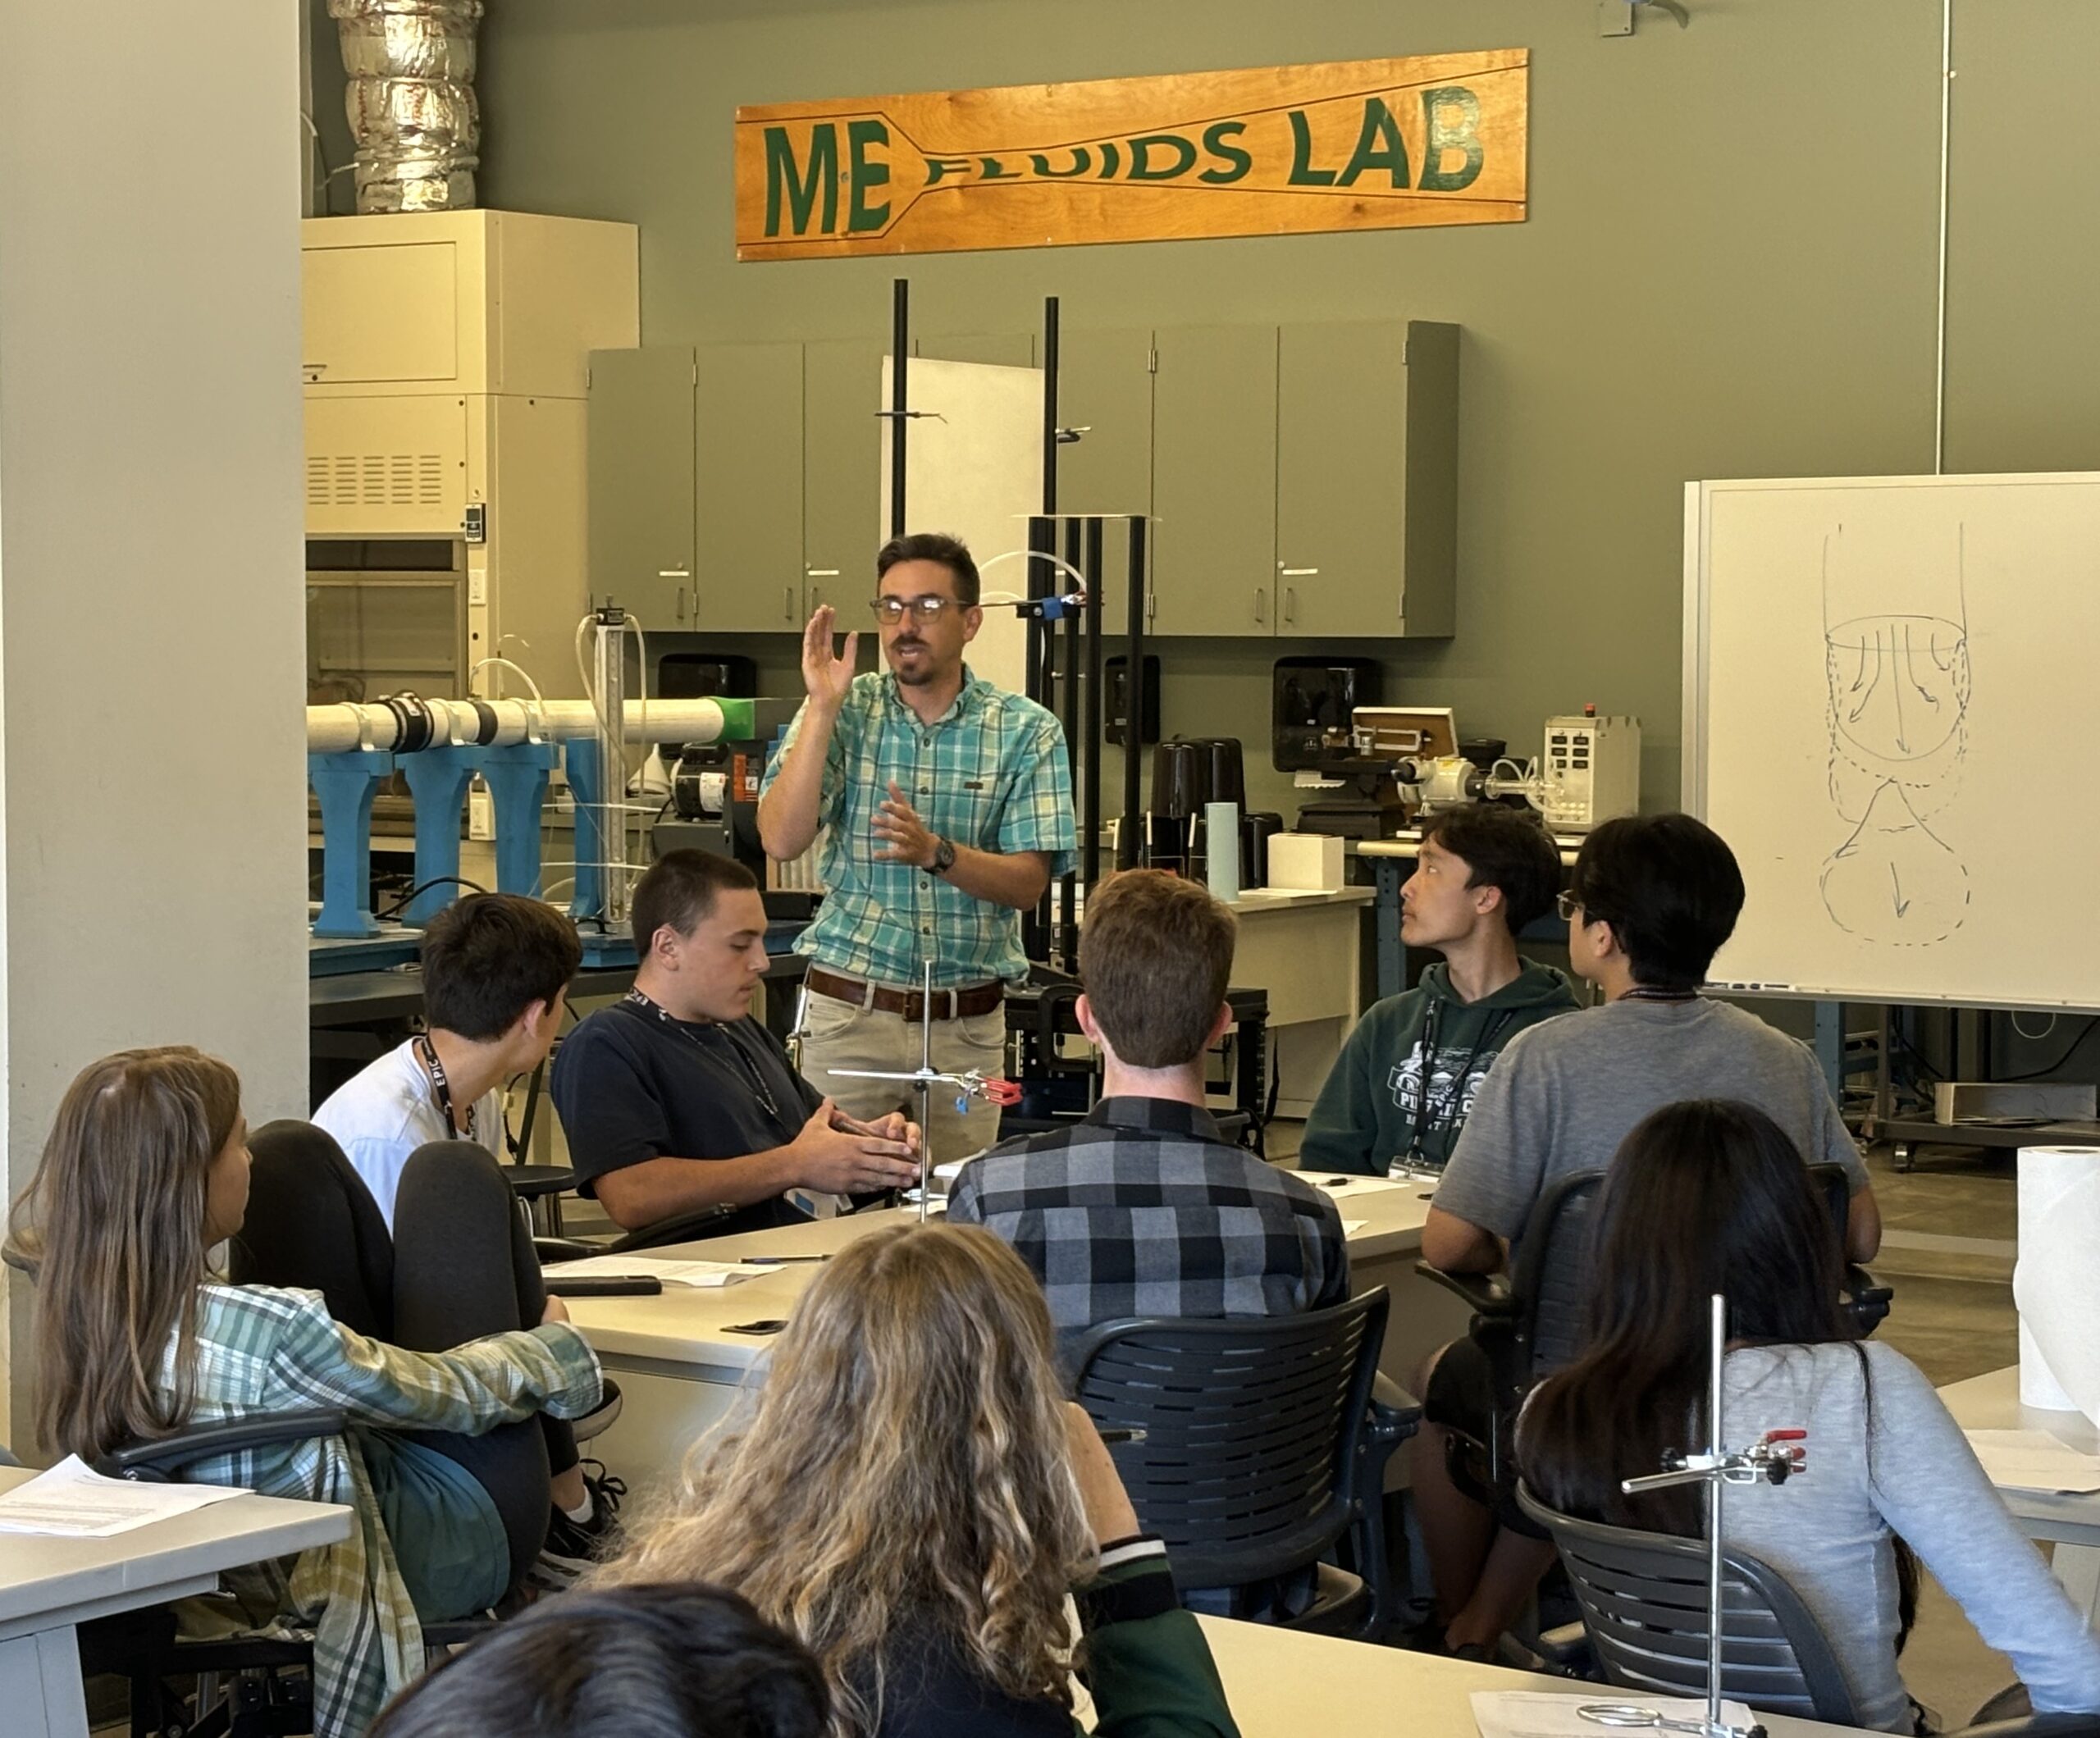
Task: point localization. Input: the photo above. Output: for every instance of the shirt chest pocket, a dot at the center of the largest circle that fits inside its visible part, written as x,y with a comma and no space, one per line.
966,803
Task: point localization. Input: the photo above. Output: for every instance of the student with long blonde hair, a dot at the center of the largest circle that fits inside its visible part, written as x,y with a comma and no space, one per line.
145,1170
909,1494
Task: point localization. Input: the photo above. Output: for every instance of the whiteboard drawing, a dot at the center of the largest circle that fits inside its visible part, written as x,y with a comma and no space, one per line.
1895,660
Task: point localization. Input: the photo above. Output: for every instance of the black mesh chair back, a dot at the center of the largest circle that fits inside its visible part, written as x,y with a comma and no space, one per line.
312,1222
1550,1283
1644,1602
1248,1469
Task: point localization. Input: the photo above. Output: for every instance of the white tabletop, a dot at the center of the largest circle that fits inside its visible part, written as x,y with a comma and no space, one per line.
48,1582
1285,1683
686,1325
1253,902
1991,1403
1409,845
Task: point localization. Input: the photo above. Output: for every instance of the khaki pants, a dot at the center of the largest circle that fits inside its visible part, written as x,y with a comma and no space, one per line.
838,1034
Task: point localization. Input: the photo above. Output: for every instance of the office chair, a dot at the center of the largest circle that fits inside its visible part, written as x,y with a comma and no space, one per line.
1264,1452
1643,1597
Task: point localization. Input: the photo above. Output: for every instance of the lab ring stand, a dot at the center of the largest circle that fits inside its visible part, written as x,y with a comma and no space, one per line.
925,1078
1775,1457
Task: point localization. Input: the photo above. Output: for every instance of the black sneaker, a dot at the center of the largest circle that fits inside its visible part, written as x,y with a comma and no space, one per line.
584,1542
599,1418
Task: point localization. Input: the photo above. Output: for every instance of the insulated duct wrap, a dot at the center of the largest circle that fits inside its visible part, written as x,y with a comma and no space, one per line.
411,100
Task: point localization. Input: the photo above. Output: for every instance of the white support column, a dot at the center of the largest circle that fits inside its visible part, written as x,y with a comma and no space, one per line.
152,845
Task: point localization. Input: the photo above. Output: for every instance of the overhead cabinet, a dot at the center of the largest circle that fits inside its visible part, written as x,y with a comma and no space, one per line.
1302,478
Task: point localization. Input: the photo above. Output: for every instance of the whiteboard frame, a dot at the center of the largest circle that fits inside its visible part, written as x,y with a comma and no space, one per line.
1691,777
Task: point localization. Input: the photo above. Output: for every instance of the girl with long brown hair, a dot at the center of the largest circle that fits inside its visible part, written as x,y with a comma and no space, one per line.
910,1493
1712,1196
145,1170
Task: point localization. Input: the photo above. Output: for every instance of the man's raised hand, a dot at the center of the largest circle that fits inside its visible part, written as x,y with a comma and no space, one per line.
824,677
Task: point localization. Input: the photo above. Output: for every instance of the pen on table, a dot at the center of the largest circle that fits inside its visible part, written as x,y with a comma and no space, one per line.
1122,1436
773,1261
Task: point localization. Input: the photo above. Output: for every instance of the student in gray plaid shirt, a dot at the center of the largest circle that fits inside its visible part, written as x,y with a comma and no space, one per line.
949,806
1144,1208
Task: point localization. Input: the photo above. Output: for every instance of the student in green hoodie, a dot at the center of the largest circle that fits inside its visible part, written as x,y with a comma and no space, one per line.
1405,1080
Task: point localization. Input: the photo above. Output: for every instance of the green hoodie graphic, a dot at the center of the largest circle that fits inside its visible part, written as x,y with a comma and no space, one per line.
1372,1113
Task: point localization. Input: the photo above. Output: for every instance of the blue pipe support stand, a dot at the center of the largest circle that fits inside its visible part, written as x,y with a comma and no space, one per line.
346,785
516,775
588,901
438,778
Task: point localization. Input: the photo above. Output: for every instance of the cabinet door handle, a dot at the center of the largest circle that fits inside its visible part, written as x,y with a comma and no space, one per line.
682,604
1261,603
1296,572
678,572
786,603
1289,603
820,573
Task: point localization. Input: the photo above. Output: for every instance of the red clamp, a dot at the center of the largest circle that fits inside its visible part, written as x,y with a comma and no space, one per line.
1002,1091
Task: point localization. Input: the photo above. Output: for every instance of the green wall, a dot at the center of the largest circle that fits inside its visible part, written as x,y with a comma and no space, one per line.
1729,269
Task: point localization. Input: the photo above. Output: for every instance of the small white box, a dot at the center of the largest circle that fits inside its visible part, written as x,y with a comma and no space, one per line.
1305,862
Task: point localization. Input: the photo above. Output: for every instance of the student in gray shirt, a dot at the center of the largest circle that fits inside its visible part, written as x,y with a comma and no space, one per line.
1707,1196
1650,899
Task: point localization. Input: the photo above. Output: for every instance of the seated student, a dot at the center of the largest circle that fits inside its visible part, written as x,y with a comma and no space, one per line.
1400,1089
495,970
1144,1208
677,1098
642,1662
1711,1197
909,1493
145,1170
1651,899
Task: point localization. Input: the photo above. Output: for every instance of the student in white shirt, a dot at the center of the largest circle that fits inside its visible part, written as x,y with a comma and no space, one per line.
496,969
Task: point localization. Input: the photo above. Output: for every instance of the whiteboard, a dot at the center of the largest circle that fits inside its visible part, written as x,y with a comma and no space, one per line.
1892,711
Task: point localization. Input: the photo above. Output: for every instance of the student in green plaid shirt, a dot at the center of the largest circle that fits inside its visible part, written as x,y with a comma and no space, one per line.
147,1167
948,806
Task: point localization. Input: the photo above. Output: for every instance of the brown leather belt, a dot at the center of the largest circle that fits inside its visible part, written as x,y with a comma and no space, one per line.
975,998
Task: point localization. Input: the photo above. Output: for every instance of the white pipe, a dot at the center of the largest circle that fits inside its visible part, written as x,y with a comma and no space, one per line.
352,724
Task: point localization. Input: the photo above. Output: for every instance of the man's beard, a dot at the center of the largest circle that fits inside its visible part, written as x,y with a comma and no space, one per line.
911,679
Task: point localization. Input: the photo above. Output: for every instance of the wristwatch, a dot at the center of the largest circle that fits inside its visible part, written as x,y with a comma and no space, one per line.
944,856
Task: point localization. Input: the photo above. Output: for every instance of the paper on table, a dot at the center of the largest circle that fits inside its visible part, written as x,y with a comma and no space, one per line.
1343,1188
74,1500
1522,1714
670,1272
2034,1460
1350,1227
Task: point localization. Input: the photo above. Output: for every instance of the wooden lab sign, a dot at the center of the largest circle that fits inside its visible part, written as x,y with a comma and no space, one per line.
1269,151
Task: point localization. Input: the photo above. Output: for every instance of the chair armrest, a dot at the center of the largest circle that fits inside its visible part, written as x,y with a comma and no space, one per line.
1488,1294
1868,1298
555,1250
681,1228
155,1462
1396,1414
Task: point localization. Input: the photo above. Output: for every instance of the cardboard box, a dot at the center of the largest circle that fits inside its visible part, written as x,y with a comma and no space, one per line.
1305,862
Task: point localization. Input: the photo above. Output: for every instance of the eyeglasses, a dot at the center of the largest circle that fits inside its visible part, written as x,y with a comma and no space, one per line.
889,611
1568,905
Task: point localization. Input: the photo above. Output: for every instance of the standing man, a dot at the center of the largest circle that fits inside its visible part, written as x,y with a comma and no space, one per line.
949,803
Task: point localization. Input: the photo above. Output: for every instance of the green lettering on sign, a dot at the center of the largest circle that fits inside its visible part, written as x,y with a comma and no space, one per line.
800,186
1302,174
1451,118
1141,150
1378,146
1082,161
1241,162
938,167
862,175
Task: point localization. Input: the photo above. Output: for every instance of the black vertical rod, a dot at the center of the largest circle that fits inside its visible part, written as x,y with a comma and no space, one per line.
900,404
1035,671
1068,917
1090,770
1050,404
1129,842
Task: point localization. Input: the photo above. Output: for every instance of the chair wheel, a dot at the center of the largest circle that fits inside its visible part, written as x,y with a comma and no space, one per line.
1902,1157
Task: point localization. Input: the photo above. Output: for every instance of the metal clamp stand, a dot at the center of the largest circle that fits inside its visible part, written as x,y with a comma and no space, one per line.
1774,1458
925,1078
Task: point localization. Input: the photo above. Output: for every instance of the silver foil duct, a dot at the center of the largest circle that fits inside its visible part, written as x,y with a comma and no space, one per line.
411,100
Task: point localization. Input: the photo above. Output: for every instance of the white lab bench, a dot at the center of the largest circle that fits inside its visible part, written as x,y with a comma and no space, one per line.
1304,949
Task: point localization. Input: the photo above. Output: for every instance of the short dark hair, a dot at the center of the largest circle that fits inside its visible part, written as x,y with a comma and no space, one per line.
663,1661
1504,848
1669,887
680,889
953,553
1156,956
489,957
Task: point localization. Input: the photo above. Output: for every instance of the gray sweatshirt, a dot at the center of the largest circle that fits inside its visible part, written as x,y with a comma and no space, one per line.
1828,1531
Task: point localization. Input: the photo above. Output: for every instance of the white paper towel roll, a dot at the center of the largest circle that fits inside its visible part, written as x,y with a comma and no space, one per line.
1222,859
2057,1281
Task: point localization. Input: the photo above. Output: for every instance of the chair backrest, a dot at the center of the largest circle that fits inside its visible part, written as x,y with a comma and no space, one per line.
1252,1431
1550,1281
312,1222
1644,1602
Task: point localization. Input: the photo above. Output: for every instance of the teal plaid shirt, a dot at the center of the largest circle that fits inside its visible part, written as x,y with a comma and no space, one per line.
990,773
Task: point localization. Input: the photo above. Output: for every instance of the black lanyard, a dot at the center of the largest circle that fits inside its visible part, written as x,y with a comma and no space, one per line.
440,1086
665,1017
1455,1099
